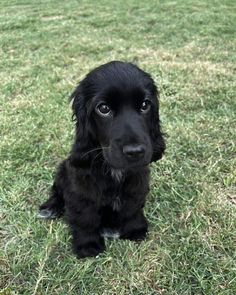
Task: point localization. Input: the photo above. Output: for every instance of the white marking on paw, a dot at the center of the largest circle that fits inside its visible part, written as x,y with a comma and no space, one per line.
109,233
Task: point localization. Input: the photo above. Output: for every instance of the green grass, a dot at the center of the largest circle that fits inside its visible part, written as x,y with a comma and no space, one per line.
189,48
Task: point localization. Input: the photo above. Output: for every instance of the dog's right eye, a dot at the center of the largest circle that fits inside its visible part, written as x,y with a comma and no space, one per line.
103,110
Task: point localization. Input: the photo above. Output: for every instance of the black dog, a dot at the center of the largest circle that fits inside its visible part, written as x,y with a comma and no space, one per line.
102,185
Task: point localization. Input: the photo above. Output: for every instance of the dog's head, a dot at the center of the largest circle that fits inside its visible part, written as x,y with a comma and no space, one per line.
116,109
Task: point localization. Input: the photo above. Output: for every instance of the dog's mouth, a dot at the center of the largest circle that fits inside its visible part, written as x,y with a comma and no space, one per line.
117,160
127,166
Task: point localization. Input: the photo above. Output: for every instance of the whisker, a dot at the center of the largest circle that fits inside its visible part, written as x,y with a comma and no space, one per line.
106,168
94,150
99,154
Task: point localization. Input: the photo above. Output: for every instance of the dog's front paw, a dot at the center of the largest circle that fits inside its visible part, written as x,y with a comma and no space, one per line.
135,229
90,249
136,235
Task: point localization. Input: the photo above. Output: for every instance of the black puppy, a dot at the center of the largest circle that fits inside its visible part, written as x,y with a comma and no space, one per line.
102,185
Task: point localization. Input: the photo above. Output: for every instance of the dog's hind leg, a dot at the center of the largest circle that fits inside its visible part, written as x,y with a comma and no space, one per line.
54,206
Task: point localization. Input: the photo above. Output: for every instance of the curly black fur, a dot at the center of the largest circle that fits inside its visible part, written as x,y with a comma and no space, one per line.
102,185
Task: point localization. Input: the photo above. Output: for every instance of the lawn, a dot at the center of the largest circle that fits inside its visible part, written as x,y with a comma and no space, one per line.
46,48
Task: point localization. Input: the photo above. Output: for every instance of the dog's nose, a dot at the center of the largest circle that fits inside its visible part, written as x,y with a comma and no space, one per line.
134,152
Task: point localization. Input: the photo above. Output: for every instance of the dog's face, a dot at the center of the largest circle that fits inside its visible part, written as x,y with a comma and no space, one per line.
122,119
117,109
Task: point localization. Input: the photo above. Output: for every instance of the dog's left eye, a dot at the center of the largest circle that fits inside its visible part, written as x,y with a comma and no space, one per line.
145,106
103,110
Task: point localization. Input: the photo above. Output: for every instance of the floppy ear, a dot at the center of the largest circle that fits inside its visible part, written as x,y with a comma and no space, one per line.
84,137
157,137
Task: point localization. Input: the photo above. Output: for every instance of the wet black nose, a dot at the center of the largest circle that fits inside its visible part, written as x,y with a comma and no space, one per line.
133,152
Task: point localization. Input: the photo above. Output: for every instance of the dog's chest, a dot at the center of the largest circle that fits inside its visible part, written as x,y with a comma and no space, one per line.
116,203
113,198
113,195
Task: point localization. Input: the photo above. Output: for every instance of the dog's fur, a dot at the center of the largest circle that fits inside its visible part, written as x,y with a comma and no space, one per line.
102,185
